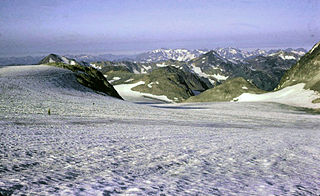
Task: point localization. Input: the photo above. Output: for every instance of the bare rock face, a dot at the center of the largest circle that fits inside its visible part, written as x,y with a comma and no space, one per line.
87,76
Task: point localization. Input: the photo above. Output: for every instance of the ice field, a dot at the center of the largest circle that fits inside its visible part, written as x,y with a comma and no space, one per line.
93,144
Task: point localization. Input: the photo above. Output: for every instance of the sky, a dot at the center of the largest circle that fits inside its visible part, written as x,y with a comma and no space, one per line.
30,27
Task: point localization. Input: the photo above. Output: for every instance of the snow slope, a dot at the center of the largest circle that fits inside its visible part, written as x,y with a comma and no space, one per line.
293,95
125,92
93,144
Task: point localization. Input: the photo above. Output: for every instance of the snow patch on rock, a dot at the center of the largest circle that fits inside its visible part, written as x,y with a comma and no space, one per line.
126,93
294,95
114,79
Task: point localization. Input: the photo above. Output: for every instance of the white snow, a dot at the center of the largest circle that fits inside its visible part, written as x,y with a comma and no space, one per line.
125,92
72,62
198,71
287,57
300,53
161,65
135,71
150,84
211,81
220,77
114,79
129,80
51,60
65,60
233,51
130,190
146,67
97,145
293,95
175,54
95,66
245,88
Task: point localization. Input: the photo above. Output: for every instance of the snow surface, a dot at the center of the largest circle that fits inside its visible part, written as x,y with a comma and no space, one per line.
114,79
129,80
284,57
293,95
198,71
150,84
300,53
161,65
97,145
136,71
72,62
126,93
244,87
51,60
220,77
95,66
65,60
287,57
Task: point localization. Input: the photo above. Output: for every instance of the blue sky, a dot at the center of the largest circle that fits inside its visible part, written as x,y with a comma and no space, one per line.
131,26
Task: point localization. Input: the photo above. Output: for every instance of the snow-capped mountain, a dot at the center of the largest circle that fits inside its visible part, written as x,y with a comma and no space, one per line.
264,71
54,58
298,51
286,55
101,57
166,54
235,55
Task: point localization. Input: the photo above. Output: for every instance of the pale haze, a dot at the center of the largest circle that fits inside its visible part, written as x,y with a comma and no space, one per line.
33,27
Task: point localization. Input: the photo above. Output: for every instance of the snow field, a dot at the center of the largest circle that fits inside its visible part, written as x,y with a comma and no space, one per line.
117,147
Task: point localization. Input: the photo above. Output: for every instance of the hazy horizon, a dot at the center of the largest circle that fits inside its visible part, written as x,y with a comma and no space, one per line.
130,27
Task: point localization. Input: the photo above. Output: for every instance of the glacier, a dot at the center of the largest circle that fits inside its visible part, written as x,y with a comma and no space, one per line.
92,144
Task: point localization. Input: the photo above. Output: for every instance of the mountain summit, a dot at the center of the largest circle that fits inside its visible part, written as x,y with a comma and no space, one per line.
87,76
166,54
307,70
54,58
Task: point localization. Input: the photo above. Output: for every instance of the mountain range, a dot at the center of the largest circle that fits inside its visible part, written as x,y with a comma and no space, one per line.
213,69
231,54
299,86
178,80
